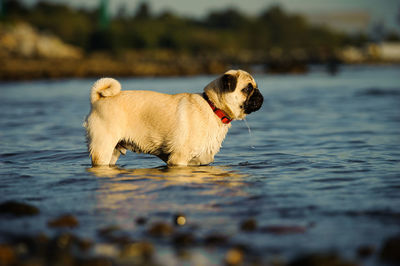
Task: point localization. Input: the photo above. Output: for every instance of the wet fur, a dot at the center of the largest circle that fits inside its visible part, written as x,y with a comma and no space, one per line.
180,129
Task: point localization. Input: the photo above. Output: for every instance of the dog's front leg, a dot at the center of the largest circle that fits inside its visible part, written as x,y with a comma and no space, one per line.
178,159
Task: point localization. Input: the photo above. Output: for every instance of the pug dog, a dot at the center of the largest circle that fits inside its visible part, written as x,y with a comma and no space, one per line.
182,130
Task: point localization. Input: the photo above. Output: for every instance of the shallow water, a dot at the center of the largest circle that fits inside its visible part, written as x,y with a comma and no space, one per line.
323,155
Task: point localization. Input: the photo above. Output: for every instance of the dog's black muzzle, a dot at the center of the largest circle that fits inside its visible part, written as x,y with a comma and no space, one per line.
254,102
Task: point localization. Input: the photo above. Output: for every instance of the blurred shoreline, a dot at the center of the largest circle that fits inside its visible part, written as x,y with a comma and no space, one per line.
15,69
98,66
27,53
33,48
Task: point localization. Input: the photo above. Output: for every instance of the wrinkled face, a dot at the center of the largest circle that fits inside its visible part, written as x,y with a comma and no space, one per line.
240,93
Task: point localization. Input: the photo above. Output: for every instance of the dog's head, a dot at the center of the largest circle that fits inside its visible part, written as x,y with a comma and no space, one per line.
235,93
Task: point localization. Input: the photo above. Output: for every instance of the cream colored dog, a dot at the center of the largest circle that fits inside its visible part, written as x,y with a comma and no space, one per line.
182,129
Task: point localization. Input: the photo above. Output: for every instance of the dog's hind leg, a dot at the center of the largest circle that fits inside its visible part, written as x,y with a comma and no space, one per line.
115,155
118,150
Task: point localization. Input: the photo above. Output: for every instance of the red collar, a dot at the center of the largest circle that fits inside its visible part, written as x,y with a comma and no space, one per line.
221,114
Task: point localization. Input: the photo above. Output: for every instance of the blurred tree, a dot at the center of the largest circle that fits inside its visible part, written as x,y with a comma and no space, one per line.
143,11
2,9
226,19
392,37
227,33
15,10
104,19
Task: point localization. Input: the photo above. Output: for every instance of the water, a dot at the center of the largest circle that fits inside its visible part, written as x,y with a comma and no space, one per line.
323,155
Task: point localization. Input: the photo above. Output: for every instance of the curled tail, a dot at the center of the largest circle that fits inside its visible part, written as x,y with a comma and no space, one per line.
104,87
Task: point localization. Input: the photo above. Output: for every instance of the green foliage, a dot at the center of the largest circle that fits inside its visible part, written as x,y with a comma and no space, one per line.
226,32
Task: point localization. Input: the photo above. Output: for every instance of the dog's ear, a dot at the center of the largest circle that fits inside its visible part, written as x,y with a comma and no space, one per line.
228,83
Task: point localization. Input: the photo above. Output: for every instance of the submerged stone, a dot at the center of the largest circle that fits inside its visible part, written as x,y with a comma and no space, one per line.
141,220
234,256
248,225
18,208
7,255
365,251
284,229
391,250
138,249
161,229
64,221
215,239
184,239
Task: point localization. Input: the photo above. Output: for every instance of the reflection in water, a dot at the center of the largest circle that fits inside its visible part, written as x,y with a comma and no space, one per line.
203,174
157,192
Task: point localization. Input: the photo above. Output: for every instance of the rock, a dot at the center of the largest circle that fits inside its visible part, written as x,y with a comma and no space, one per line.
115,235
21,39
85,244
391,250
215,239
64,221
248,225
184,239
365,251
18,208
161,229
105,250
320,260
141,221
234,256
106,231
7,255
63,241
139,253
139,249
284,229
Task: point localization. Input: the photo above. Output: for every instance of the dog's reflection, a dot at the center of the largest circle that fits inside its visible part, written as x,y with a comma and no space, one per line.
203,174
175,189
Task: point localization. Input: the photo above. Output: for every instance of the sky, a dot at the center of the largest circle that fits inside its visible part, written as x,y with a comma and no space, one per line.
357,12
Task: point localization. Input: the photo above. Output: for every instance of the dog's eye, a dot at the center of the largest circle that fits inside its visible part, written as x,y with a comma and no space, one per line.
248,89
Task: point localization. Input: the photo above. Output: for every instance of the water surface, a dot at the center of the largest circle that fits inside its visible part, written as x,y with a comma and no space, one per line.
323,155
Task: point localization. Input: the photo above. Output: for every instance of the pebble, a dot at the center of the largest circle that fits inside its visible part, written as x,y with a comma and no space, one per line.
215,239
141,221
7,255
180,220
283,229
234,256
63,241
18,208
248,225
106,231
138,249
105,250
115,235
161,229
184,239
66,220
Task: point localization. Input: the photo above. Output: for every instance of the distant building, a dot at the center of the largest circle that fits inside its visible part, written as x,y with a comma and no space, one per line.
374,52
386,51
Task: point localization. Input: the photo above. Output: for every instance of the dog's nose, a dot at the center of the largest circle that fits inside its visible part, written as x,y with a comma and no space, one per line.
254,103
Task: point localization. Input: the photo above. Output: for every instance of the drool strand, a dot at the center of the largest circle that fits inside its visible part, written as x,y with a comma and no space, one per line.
251,136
